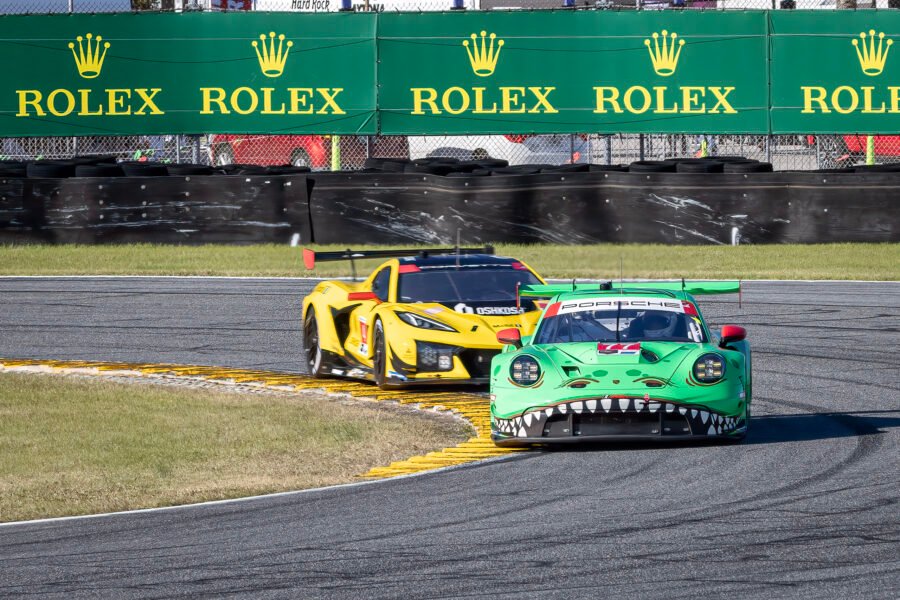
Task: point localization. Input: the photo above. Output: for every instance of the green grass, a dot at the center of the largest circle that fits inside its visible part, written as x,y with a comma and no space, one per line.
76,446
833,261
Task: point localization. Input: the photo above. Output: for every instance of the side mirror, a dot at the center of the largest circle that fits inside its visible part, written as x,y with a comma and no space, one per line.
731,333
511,336
352,296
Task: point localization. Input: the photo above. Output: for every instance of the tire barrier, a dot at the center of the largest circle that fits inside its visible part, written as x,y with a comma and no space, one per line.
167,209
391,201
608,206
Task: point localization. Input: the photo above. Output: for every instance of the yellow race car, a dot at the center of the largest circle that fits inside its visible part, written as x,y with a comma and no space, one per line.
423,317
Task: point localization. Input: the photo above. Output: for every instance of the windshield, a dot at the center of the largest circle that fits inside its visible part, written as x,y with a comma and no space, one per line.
619,324
482,287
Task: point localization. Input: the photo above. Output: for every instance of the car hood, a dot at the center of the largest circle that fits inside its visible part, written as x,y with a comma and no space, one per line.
646,359
465,321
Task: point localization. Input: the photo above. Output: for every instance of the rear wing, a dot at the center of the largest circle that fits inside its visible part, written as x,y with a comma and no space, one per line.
694,288
310,257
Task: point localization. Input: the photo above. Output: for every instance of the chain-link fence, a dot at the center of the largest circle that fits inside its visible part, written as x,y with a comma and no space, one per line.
785,152
350,152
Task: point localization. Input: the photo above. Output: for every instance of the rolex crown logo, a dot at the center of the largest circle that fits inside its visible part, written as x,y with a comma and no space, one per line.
89,58
272,58
872,57
483,58
664,57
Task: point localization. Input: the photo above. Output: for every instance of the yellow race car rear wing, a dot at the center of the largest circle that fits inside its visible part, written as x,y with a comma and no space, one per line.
310,256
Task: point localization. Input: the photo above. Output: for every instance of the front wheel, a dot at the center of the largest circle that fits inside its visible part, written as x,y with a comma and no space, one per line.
314,357
379,361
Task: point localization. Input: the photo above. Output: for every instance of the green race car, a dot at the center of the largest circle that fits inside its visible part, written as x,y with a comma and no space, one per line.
635,361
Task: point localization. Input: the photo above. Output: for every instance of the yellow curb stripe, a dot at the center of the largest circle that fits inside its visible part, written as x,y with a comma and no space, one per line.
473,408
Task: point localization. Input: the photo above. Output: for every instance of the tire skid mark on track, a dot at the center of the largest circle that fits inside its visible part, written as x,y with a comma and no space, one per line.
473,408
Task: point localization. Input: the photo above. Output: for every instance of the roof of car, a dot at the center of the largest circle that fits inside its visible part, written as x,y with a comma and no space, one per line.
463,260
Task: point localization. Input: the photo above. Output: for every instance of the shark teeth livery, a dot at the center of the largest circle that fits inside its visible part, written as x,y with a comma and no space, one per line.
699,422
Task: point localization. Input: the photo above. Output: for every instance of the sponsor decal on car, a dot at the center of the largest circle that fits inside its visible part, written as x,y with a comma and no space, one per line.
363,336
619,348
487,311
591,304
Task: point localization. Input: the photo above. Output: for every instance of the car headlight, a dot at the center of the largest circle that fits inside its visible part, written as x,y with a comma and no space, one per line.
525,370
709,368
434,357
422,322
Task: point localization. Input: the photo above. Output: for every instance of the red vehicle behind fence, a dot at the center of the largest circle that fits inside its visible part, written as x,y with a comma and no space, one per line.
299,150
885,145
313,151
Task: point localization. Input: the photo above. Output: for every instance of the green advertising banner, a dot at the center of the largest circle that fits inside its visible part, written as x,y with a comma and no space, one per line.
187,73
456,72
567,71
835,72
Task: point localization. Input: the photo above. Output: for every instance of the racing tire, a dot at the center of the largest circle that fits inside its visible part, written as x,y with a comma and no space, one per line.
287,170
571,168
385,165
652,166
607,168
186,169
13,168
99,170
51,169
15,173
379,359
491,163
144,169
241,169
473,173
728,159
314,357
435,160
518,170
885,168
699,165
432,169
748,166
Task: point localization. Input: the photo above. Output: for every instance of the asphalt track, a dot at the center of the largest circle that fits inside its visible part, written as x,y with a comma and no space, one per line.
807,507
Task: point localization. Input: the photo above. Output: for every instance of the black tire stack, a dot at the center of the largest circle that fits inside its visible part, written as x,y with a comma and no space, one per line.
712,164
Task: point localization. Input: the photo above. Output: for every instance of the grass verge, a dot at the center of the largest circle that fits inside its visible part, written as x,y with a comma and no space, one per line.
73,446
831,261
